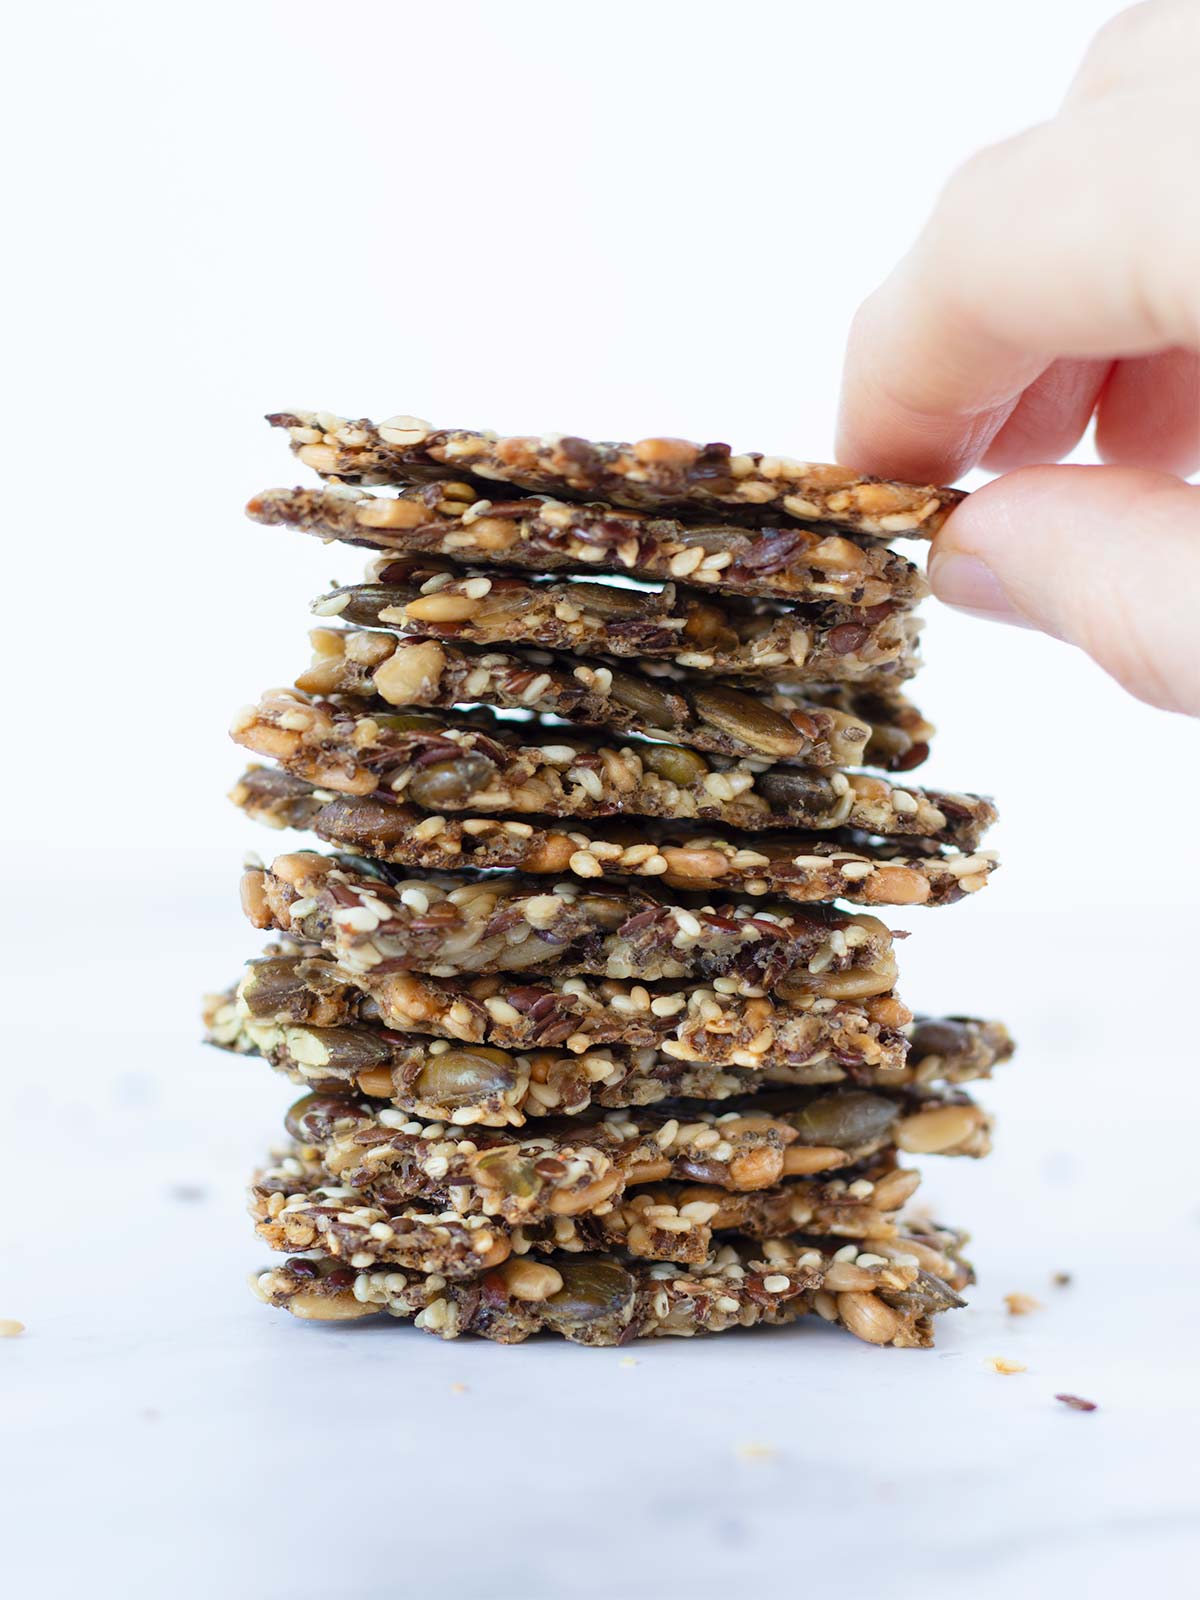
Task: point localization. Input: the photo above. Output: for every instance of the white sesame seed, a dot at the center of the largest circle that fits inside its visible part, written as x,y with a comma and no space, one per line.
500,1011
686,561
588,781
856,869
536,689
356,918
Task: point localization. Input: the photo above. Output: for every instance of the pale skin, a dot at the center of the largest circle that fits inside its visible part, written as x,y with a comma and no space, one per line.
1056,283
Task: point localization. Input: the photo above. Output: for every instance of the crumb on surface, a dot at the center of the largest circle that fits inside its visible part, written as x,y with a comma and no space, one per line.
1003,1365
1060,1280
458,1388
754,1451
1020,1305
628,1361
1077,1402
10,1327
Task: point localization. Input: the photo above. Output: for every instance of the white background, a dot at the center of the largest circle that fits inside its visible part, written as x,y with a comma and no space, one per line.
613,220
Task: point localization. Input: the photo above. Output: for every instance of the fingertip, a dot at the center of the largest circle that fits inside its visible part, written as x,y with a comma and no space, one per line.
860,438
1107,558
967,584
908,408
879,435
993,527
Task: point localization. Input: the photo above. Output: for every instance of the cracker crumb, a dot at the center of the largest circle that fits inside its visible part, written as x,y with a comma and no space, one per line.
1020,1305
458,1388
1077,1402
10,1328
1060,1280
628,1361
753,1451
1003,1365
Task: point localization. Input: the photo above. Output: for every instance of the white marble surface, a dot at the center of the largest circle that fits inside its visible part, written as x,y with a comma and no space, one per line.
165,1431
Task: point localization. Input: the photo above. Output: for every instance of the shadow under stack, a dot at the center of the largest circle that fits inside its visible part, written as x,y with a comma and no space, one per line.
597,1023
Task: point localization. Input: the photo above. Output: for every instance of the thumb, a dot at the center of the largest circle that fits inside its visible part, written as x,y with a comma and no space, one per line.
1107,558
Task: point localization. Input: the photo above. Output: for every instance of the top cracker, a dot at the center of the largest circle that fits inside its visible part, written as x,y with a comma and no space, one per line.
654,474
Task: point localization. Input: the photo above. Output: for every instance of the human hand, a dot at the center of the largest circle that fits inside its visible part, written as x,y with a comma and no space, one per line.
1059,278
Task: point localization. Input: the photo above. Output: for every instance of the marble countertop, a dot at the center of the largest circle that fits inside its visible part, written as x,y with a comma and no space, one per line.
164,1429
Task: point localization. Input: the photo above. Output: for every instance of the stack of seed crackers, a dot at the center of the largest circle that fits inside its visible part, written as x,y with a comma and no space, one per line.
596,1021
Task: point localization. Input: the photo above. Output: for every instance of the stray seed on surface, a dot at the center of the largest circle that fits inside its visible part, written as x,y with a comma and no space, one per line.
753,1451
1077,1402
1020,1305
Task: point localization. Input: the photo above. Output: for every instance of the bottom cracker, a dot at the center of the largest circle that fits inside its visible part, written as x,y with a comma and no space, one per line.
887,1293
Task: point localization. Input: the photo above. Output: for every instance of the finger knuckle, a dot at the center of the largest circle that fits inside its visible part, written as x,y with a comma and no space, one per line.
1119,46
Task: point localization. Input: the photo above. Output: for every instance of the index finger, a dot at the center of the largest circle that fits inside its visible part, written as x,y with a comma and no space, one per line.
1026,258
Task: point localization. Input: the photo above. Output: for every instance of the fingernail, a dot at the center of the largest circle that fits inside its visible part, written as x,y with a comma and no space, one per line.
965,583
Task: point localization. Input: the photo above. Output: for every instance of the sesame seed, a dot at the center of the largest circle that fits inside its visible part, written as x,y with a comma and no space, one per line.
686,561
356,918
